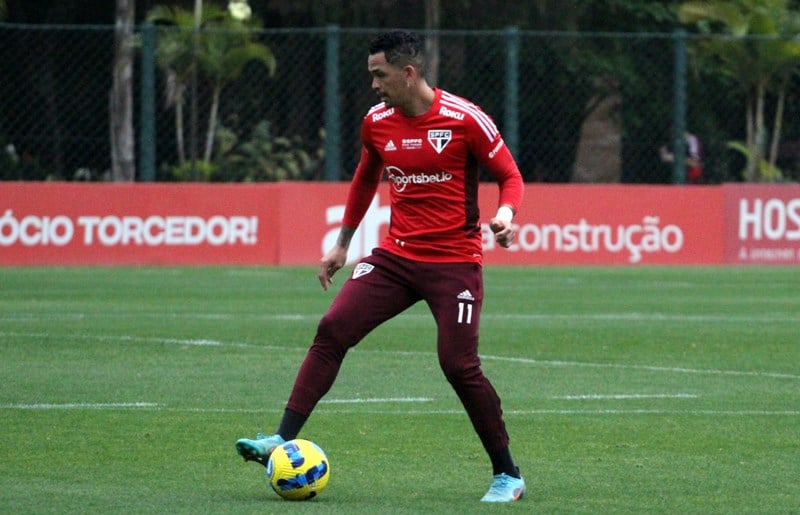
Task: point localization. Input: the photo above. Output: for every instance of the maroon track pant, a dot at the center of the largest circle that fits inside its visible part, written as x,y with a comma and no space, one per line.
382,286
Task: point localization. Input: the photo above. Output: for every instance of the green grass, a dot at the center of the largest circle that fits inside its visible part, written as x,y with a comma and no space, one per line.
626,390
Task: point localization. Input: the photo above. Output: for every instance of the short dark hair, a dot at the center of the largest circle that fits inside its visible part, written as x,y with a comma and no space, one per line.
401,48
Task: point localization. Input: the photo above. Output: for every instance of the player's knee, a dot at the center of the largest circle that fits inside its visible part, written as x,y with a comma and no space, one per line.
332,330
458,372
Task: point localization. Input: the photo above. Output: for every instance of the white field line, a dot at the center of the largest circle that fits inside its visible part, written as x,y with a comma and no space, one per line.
540,317
677,370
376,400
83,406
745,413
149,406
484,357
647,317
626,396
188,342
156,406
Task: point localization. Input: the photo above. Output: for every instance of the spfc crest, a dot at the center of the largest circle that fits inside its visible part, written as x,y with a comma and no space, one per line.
362,269
439,139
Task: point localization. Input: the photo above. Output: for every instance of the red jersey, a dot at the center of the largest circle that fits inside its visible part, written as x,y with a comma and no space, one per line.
432,162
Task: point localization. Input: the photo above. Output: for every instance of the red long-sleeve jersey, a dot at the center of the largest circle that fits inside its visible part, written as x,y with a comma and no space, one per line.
432,162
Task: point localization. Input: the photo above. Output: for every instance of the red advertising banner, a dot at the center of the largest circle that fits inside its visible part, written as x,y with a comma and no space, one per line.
615,224
558,224
313,215
76,224
294,223
763,224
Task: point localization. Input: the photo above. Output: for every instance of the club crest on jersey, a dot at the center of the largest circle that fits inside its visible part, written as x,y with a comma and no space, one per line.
362,269
439,139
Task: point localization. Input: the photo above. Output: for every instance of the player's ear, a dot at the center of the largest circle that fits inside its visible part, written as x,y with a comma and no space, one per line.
411,74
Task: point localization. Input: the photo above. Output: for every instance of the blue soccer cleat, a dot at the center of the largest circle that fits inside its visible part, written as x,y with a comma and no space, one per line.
505,489
258,449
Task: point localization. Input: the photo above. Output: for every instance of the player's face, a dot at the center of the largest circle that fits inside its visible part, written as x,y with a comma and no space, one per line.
389,82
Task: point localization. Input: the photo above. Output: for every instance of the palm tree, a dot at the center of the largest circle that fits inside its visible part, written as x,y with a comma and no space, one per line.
174,55
223,48
761,59
225,52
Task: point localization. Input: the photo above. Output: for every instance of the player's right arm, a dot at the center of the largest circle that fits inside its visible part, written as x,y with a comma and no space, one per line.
365,183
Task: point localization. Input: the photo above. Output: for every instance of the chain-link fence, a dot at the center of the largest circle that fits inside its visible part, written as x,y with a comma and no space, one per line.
574,107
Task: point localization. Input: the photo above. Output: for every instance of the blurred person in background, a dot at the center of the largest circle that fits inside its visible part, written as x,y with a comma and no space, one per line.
693,160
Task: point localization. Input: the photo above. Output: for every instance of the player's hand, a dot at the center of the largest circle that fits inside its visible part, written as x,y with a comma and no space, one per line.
504,232
331,263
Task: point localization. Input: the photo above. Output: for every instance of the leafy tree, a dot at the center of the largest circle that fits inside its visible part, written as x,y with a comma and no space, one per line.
175,56
268,157
219,52
226,52
761,58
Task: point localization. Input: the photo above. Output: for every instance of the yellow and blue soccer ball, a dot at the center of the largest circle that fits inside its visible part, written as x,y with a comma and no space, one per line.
298,470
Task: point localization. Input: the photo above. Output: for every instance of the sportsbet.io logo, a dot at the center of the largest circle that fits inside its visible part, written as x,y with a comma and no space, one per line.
400,180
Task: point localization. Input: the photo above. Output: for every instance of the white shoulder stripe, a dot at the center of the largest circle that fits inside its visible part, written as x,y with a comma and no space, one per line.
376,107
484,121
473,109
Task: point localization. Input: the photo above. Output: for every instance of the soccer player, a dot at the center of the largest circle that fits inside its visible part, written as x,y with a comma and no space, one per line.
429,143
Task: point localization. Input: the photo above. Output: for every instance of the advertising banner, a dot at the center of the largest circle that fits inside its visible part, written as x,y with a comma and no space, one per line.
312,215
615,224
763,224
107,224
293,223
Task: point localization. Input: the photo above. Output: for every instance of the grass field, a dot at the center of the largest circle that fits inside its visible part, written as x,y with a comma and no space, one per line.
626,390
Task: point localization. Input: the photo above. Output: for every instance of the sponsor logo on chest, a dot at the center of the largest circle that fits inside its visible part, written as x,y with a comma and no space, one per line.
412,143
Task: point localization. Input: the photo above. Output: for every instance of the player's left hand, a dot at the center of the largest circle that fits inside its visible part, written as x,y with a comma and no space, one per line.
504,232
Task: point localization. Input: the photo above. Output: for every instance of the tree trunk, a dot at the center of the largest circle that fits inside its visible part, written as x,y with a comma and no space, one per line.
211,131
433,12
599,155
760,131
123,164
750,136
179,140
778,124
